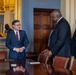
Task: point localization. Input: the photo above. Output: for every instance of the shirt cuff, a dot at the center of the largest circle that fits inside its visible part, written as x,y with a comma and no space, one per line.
14,48
23,47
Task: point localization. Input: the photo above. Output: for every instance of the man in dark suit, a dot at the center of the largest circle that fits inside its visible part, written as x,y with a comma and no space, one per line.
74,44
16,41
60,38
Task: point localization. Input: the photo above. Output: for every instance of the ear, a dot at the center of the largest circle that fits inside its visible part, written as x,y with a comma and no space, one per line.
13,26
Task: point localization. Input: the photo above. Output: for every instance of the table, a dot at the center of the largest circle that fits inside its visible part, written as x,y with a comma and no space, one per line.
20,67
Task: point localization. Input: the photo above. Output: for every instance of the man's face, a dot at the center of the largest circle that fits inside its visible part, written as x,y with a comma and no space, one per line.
16,26
54,17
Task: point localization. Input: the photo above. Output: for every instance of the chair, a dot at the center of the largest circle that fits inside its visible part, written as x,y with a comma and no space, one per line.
3,55
73,64
42,58
61,62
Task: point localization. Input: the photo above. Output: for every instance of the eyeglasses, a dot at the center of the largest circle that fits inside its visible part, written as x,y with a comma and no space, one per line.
17,24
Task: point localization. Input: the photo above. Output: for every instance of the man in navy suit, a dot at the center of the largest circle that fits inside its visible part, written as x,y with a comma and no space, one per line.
17,41
60,39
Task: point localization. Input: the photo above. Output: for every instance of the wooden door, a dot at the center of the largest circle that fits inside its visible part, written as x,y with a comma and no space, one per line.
42,27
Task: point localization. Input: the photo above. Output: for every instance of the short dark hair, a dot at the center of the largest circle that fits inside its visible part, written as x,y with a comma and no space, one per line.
7,26
57,11
15,21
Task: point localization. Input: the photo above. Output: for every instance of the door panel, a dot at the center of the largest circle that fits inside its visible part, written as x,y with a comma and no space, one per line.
42,27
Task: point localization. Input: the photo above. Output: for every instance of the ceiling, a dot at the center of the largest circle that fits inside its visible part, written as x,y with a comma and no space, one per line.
7,5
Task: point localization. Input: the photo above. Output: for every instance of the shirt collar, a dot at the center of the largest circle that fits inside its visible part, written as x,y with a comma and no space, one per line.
16,31
59,19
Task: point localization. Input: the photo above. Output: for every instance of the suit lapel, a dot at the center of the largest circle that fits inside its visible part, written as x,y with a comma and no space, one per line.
20,34
14,36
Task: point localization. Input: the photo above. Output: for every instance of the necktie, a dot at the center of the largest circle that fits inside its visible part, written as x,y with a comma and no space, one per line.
17,35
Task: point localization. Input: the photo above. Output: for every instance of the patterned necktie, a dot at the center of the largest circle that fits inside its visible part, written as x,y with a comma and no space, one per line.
17,35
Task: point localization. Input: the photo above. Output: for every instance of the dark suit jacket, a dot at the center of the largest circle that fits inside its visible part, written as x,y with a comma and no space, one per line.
60,39
73,44
11,42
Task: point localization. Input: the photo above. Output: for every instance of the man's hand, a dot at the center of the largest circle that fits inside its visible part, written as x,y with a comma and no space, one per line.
21,49
16,49
17,68
50,53
22,69
44,51
47,52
